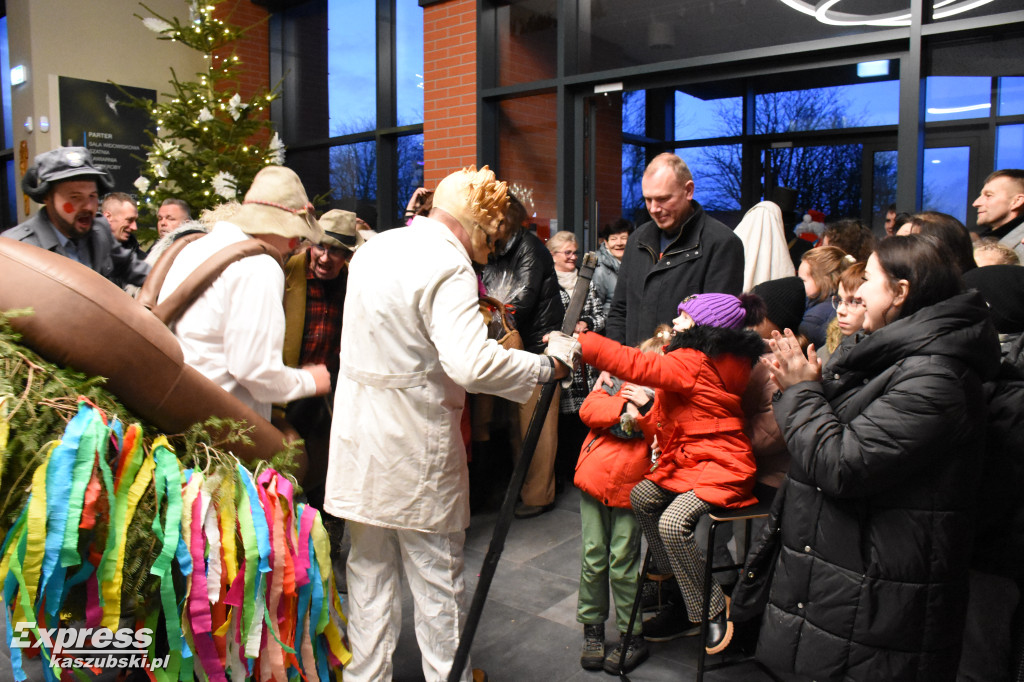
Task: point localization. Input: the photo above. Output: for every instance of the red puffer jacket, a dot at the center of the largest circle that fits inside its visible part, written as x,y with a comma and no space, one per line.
699,383
609,466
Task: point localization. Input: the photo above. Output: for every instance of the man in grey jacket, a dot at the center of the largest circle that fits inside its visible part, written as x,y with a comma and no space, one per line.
1001,208
68,185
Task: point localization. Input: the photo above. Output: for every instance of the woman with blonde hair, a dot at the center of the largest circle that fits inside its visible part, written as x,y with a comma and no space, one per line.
820,269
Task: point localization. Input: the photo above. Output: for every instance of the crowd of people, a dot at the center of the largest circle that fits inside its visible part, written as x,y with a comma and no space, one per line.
868,387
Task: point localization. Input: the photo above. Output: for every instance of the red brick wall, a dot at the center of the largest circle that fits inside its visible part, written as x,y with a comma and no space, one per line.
252,49
449,88
528,149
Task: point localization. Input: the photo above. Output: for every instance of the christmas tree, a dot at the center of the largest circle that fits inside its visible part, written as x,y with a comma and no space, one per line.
210,141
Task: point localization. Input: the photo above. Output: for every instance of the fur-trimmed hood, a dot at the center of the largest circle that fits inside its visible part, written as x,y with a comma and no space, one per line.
714,341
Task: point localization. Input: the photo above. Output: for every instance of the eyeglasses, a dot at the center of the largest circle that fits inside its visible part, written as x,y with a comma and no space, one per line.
851,304
568,253
333,251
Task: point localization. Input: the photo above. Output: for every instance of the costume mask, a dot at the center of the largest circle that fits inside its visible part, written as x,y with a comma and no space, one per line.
478,201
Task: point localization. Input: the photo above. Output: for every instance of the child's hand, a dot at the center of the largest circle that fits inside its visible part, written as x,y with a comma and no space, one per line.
635,394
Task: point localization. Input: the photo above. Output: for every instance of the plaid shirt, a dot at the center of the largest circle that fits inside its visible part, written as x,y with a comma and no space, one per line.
584,377
321,335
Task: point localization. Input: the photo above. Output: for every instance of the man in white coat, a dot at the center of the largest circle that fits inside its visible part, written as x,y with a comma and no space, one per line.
413,343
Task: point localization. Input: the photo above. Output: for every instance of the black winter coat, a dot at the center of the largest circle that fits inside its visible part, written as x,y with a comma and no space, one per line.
526,271
877,525
999,546
706,257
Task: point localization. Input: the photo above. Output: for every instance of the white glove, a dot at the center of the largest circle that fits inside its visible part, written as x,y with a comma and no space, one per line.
565,349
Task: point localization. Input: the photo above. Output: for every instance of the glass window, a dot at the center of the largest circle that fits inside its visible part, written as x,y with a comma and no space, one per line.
1011,96
633,164
696,118
11,219
634,116
716,175
622,34
5,84
949,98
945,180
827,177
410,168
353,171
1010,146
527,41
883,188
845,106
528,150
409,61
352,66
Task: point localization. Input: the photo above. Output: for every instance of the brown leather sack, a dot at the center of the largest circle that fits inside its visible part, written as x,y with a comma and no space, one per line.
83,321
500,325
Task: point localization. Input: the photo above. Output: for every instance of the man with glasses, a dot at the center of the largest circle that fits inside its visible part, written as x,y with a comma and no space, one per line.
314,299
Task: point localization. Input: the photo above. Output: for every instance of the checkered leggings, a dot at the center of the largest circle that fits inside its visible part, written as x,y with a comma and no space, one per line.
668,520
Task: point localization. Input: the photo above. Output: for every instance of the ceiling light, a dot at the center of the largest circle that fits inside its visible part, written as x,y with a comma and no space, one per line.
959,110
825,12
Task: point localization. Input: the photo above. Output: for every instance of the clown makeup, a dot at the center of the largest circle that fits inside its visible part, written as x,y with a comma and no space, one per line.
72,205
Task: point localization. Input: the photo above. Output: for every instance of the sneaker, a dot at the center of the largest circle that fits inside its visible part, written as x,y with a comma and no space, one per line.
670,623
636,654
592,656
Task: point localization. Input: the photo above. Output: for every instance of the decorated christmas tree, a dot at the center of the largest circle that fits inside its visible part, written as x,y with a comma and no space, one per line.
210,141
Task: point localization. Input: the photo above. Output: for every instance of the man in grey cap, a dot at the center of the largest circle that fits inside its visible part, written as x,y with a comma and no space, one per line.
69,185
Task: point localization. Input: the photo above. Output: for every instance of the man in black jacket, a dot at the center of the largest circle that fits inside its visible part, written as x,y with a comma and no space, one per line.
679,252
523,276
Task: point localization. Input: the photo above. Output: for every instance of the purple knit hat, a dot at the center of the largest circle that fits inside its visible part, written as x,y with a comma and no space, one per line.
714,310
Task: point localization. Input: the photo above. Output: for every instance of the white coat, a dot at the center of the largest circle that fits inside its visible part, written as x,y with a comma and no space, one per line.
413,343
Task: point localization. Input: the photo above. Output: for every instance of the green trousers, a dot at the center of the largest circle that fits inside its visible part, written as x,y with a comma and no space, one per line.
611,555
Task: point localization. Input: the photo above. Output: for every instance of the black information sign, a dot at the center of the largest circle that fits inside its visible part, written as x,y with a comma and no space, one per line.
92,115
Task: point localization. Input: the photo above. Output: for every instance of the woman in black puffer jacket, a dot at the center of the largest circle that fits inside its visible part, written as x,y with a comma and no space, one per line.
877,522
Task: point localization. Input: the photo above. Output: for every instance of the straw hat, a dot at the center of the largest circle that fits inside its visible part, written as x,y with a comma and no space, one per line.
340,230
276,203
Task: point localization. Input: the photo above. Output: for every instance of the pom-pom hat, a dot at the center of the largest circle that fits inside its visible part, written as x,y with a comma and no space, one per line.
714,310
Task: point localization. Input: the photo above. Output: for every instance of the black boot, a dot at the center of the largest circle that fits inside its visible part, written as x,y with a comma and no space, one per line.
719,633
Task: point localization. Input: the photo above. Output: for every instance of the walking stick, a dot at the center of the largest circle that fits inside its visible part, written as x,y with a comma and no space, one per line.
572,316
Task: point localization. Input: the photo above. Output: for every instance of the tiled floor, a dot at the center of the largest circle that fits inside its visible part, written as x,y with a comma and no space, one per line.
528,631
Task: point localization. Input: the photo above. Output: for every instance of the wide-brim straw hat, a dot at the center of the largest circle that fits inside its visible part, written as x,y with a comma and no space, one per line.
340,229
276,203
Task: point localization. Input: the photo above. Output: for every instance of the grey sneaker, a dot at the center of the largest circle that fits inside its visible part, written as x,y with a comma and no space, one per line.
636,653
592,656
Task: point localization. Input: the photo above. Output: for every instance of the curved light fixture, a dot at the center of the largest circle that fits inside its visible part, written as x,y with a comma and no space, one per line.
823,11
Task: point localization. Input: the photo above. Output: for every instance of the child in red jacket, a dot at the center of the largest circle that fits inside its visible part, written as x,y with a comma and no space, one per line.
706,460
614,457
